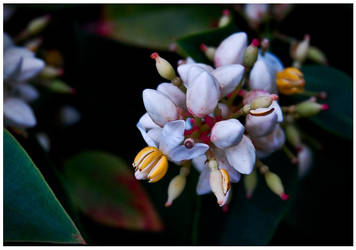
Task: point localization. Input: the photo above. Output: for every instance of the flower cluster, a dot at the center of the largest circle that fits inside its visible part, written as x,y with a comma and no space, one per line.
223,119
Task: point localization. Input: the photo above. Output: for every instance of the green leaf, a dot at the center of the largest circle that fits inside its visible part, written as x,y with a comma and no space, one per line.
338,85
32,213
253,222
156,26
190,45
102,186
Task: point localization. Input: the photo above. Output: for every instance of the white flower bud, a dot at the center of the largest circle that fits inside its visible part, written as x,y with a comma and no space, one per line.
242,156
266,145
175,188
203,95
231,50
164,68
220,184
305,160
160,108
37,25
174,93
261,77
229,77
19,114
227,133
302,49
261,122
188,72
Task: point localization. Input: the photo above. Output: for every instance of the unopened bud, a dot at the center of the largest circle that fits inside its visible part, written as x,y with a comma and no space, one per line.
316,55
164,68
305,160
225,19
34,44
293,135
308,108
175,189
250,183
50,72
61,87
275,185
220,184
37,25
301,50
251,54
261,102
208,51
290,81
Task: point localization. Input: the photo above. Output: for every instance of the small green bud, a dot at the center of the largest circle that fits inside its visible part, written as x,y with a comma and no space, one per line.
37,25
225,19
175,188
50,72
164,68
293,135
250,183
309,108
316,55
261,102
61,87
251,54
274,183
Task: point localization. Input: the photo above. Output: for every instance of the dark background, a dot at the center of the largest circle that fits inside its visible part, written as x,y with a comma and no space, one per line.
109,78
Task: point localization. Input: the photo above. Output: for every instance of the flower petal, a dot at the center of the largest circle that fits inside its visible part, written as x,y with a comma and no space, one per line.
199,162
8,43
227,133
278,111
257,126
181,153
144,132
184,69
31,66
147,123
262,78
160,108
27,92
203,95
242,157
172,135
174,93
18,113
223,163
266,145
203,186
229,77
231,50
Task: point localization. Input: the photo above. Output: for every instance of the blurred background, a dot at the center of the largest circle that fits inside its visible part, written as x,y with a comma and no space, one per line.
109,66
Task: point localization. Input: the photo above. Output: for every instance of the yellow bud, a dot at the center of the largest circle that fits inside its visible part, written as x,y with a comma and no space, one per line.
250,183
150,163
275,185
164,68
175,188
290,81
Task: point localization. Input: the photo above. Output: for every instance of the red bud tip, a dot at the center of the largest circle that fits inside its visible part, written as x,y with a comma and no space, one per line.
241,92
203,47
324,107
154,55
225,208
226,12
307,37
255,43
274,97
167,204
284,196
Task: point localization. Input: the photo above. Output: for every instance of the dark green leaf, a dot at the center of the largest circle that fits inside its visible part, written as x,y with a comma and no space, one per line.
253,222
102,186
190,45
338,85
156,26
32,213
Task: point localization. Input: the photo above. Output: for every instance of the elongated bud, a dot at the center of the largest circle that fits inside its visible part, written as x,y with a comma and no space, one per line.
250,183
261,102
316,55
290,81
261,122
225,19
251,54
275,185
164,68
293,135
51,72
150,163
34,44
175,188
37,25
309,108
300,51
220,184
208,51
61,87
305,160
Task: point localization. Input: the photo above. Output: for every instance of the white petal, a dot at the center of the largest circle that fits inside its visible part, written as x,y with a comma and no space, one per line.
181,153
148,139
69,115
261,77
227,133
223,163
266,145
27,92
203,186
8,43
18,113
261,125
12,65
174,93
228,76
278,111
190,60
231,50
274,64
160,108
31,66
199,162
172,135
203,95
184,69
146,122
242,157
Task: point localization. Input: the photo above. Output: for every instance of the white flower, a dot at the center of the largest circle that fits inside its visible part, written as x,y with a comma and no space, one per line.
261,122
229,77
160,107
189,71
227,133
169,140
203,95
174,93
231,50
